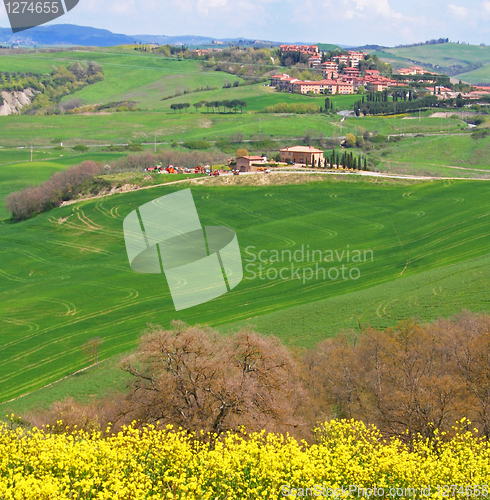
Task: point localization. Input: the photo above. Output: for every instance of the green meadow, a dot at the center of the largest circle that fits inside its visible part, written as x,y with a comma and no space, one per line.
450,156
445,54
64,276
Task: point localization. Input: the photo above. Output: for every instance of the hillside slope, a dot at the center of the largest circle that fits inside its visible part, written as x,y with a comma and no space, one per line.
64,276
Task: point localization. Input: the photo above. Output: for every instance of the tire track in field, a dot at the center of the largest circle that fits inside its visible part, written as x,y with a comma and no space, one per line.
67,324
71,308
11,277
84,248
32,327
33,383
73,350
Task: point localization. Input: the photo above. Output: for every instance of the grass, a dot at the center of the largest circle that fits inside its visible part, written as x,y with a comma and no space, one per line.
444,55
426,296
65,276
454,156
146,78
141,126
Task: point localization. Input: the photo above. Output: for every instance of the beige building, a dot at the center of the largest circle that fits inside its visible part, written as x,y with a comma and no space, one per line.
302,154
246,163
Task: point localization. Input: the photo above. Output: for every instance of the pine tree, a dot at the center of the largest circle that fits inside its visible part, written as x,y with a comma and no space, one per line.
365,164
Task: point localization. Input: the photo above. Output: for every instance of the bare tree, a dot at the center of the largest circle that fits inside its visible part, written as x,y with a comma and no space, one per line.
201,380
92,349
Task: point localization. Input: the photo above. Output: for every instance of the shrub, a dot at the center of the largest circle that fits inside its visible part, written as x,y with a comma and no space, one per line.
350,140
196,144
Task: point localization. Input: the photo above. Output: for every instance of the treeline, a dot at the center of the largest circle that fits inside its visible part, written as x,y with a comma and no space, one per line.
408,381
299,108
11,82
428,42
62,186
234,105
346,159
86,178
189,159
384,107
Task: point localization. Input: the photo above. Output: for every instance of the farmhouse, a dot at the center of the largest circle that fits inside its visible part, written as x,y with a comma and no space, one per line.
302,154
246,163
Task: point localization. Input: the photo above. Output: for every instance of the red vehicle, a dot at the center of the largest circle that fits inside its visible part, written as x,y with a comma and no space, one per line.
215,172
199,170
236,172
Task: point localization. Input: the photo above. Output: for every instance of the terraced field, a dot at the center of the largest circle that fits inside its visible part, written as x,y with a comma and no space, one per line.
64,276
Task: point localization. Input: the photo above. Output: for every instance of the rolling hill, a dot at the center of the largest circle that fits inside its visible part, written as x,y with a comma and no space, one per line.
469,63
64,276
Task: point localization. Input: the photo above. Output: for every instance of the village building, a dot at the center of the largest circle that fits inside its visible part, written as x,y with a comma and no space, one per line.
330,69
302,154
248,163
199,52
342,59
355,58
303,49
314,62
351,72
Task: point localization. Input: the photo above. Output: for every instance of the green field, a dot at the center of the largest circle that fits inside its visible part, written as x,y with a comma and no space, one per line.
147,78
65,277
442,57
454,156
445,54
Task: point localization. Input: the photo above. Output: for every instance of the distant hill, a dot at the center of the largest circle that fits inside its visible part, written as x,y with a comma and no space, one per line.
64,34
193,41
469,63
71,34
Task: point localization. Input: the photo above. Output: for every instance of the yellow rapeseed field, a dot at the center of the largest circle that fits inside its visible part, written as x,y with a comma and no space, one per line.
348,459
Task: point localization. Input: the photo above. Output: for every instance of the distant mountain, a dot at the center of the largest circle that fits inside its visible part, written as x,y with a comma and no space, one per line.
64,34
192,40
71,34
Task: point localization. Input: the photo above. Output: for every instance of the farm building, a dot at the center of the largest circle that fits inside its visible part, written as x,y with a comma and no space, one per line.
302,154
245,163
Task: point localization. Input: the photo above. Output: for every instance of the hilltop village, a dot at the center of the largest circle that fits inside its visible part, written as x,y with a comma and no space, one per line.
344,74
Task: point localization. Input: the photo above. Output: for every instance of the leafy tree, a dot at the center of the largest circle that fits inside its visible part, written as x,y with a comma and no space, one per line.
350,140
241,152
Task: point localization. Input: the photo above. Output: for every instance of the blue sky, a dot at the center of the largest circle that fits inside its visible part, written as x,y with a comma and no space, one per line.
349,22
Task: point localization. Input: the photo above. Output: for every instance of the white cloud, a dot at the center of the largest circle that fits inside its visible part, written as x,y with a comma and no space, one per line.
123,7
203,6
458,11
486,8
380,7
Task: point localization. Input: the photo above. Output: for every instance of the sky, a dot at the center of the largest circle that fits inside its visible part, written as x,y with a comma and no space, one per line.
346,22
